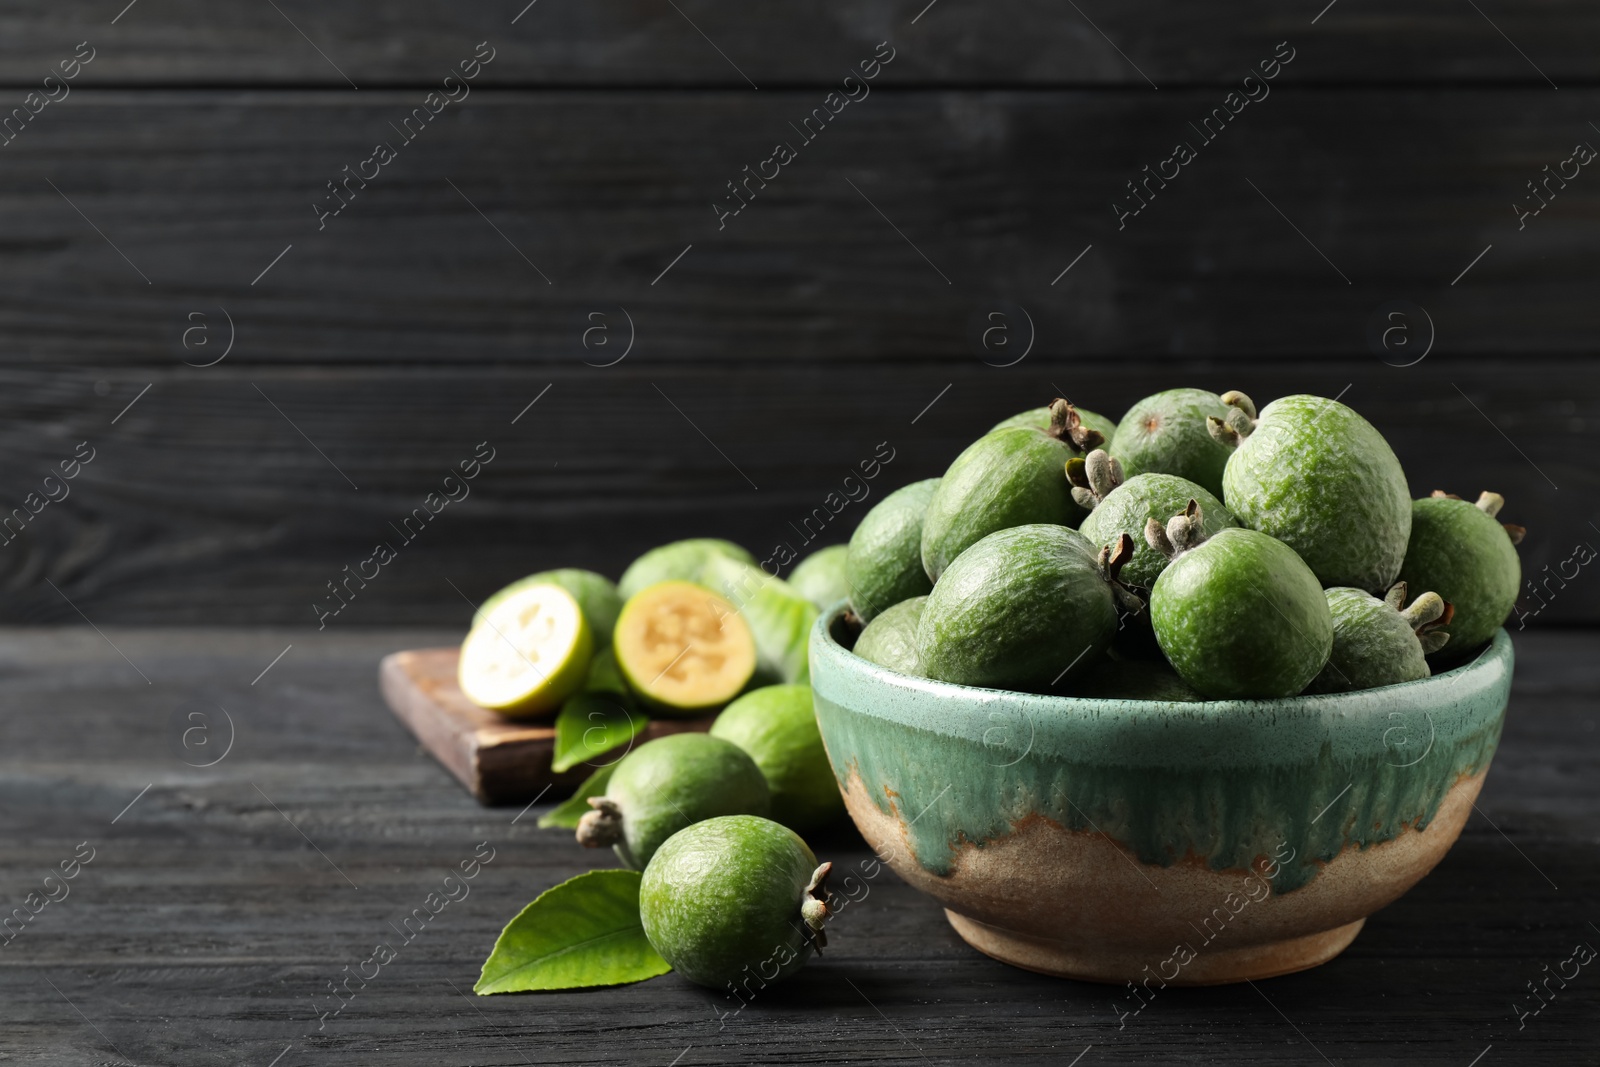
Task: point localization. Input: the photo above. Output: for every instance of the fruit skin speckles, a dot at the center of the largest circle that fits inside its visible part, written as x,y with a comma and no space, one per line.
1318,477
1021,609
1461,551
890,640
1009,477
777,727
667,784
735,903
1166,434
1238,615
884,566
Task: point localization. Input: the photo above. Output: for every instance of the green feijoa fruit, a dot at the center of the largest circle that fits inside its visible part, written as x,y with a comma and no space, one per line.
1318,477
1021,609
1462,552
667,784
1167,434
1238,615
734,903
1128,507
885,562
679,561
1039,418
777,726
1110,679
1009,477
1380,642
778,616
890,639
596,595
821,576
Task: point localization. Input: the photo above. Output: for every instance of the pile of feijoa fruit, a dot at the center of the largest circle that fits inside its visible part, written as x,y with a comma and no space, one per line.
1197,549
716,882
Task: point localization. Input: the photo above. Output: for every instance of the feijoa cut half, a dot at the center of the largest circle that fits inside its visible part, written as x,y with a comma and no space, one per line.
683,649
528,653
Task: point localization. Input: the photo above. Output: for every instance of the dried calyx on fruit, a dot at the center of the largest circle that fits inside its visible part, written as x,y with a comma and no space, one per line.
1113,557
667,784
1093,477
1067,425
1239,422
1428,615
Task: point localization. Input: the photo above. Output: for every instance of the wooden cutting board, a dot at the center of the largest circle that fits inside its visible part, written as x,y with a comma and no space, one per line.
499,760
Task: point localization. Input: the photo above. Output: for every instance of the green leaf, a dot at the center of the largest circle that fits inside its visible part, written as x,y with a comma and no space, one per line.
584,932
592,724
565,816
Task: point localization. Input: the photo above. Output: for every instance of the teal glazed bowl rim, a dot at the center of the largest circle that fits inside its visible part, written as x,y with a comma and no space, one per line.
1151,733
1043,823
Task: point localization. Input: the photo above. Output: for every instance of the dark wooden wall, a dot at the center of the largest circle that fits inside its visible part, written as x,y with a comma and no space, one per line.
775,354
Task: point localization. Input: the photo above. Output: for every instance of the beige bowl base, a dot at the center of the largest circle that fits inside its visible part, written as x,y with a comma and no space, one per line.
1218,966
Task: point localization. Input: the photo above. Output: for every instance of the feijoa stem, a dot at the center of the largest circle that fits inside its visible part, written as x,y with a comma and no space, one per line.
1238,423
602,826
1428,615
1065,425
814,907
1093,477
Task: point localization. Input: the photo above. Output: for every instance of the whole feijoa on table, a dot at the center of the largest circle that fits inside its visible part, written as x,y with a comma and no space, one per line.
1009,477
777,726
1126,507
1320,478
735,903
667,784
890,639
884,565
1380,642
1020,609
1238,615
1464,553
822,576
1167,433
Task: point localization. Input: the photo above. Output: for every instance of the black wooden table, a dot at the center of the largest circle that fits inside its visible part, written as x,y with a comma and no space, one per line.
212,906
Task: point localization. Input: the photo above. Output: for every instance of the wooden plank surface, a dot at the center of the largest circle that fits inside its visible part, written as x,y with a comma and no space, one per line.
344,43
511,219
497,760
216,908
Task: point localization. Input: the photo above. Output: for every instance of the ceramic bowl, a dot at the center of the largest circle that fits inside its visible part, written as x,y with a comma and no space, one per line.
1168,843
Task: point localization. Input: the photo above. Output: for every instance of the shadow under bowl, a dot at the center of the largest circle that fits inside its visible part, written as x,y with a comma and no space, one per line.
1181,843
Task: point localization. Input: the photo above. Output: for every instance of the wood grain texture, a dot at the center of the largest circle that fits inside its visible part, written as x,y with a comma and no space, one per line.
498,760
624,42
444,257
207,927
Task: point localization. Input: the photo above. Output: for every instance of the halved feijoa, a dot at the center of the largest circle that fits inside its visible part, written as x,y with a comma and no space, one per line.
527,654
683,648
596,595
